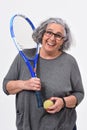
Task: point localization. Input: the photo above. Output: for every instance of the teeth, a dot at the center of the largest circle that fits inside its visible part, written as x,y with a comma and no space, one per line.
51,44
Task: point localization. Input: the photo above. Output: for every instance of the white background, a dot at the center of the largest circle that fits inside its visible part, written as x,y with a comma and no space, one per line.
74,12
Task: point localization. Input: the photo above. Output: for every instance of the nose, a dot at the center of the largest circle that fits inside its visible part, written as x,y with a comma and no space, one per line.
52,37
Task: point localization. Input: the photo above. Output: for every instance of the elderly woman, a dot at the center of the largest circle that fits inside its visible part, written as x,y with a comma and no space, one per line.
59,80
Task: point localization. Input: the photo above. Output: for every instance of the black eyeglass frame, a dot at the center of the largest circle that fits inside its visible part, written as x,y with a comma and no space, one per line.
58,36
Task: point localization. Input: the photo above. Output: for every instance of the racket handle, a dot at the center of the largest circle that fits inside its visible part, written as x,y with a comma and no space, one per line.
39,99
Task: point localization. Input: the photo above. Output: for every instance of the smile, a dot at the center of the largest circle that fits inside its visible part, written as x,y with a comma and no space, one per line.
51,44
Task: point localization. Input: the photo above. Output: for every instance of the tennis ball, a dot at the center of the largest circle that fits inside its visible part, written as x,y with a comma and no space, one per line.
47,103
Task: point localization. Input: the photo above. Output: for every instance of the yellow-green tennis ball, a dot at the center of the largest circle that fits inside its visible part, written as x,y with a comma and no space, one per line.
47,103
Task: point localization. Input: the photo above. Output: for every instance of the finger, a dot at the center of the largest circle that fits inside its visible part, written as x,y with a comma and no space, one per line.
51,111
36,81
36,87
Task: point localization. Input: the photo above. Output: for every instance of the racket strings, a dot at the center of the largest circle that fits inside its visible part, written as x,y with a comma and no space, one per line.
23,33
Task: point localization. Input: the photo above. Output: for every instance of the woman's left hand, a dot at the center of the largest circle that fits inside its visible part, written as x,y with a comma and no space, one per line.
58,105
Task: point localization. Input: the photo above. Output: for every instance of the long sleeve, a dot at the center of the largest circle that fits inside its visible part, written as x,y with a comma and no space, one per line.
76,82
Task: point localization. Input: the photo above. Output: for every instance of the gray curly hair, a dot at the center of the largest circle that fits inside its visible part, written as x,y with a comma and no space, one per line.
39,32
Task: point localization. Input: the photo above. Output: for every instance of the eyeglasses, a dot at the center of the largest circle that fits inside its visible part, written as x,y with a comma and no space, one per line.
58,36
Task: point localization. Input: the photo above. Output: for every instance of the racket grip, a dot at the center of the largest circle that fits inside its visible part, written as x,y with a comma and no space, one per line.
39,99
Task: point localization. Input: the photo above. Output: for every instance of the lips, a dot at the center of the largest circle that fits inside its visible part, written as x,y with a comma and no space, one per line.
51,44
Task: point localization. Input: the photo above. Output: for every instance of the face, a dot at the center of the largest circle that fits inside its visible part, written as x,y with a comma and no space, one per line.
53,38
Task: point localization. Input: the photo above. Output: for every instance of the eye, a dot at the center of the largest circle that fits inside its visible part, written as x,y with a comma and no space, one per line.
58,35
49,32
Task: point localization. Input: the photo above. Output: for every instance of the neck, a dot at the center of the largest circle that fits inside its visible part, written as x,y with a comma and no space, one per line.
49,55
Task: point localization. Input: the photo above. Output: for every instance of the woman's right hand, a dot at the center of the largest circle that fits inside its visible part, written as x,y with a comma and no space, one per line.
16,86
32,84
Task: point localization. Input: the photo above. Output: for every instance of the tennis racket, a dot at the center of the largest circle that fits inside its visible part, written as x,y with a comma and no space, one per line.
20,29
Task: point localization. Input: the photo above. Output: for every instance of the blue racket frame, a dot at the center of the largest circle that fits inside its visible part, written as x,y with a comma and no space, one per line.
27,60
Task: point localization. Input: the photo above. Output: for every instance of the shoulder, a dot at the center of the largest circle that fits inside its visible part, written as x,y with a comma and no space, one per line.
27,52
30,52
70,60
69,57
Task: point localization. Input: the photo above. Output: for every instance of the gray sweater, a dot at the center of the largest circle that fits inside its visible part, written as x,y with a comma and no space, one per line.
59,77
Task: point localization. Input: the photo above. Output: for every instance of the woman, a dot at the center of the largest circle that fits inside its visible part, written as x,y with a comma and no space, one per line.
58,79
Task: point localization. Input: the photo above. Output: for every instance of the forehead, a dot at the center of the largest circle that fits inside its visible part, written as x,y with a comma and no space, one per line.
55,27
